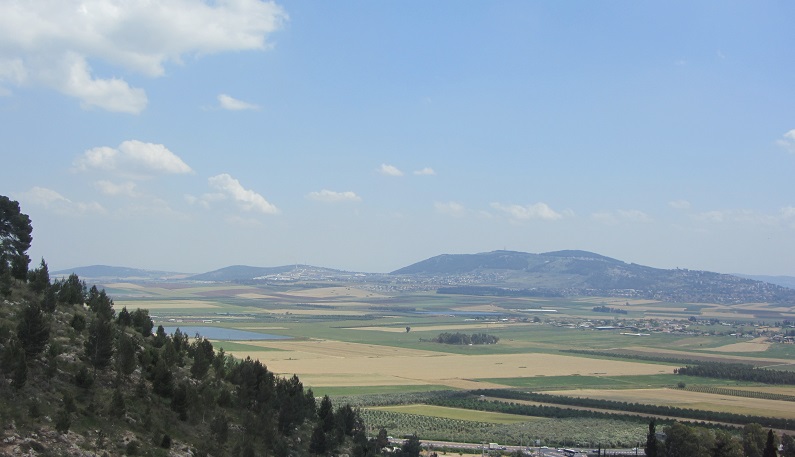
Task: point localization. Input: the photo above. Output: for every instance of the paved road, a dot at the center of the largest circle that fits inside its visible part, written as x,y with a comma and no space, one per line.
531,451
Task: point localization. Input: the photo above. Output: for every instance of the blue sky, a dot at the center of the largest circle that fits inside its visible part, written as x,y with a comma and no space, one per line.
366,136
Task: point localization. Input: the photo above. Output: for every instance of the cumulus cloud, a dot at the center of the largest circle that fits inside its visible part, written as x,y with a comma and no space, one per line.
427,171
679,204
788,141
52,200
538,210
132,157
232,104
454,209
389,170
247,199
51,42
330,196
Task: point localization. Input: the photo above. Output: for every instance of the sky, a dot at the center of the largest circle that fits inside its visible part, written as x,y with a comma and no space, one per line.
191,135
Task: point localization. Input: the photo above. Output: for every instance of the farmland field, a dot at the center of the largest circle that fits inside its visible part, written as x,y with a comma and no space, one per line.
358,341
458,413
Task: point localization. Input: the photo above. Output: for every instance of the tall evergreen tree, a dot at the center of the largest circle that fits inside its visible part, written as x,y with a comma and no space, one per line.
99,344
33,330
71,291
126,359
770,445
39,279
326,414
754,438
651,440
15,238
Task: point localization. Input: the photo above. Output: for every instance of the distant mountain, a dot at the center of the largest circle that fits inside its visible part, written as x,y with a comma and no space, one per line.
585,273
783,281
105,272
243,273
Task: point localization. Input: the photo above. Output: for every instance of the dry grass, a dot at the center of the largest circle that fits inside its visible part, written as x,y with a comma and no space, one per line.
326,362
694,400
755,345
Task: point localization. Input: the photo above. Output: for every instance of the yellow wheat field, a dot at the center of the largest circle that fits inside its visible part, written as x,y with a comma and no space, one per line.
326,362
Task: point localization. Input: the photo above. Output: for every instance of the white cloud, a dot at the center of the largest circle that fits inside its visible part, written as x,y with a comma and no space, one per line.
454,209
233,104
247,199
51,42
332,197
427,171
113,189
56,202
133,157
390,170
538,210
679,204
787,212
788,141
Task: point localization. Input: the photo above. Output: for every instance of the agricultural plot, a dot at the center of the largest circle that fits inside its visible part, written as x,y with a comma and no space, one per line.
693,400
327,362
165,304
458,413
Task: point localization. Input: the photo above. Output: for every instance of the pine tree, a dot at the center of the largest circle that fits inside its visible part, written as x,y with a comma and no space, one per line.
651,440
770,445
39,279
33,330
99,344
125,358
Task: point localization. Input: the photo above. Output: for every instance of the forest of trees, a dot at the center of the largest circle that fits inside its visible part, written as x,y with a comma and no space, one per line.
683,440
70,362
464,339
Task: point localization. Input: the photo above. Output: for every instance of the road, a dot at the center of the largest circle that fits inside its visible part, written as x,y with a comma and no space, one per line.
530,451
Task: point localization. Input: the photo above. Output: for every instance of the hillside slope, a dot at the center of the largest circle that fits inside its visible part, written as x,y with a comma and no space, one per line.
586,273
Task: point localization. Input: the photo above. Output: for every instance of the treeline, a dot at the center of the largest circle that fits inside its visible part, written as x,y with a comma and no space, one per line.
650,409
741,393
498,291
466,401
738,372
464,339
607,309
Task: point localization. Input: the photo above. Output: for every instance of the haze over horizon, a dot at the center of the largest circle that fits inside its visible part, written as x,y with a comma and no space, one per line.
369,136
